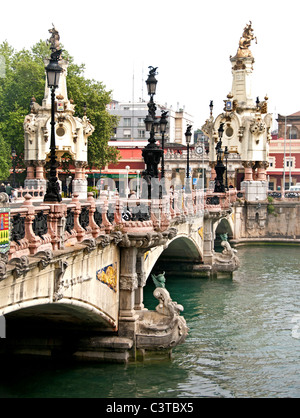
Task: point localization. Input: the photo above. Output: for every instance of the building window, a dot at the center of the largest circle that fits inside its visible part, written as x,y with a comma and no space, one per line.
141,133
293,133
127,122
272,162
141,122
289,162
127,133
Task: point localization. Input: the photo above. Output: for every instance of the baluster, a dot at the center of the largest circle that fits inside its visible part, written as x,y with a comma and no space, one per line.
94,227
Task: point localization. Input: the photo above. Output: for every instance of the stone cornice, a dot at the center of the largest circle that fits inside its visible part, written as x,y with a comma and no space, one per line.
147,240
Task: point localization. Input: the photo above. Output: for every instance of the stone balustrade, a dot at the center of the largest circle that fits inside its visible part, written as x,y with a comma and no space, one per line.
35,193
220,201
50,227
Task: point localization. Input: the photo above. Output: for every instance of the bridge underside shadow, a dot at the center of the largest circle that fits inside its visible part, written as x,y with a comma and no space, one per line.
222,228
49,330
181,257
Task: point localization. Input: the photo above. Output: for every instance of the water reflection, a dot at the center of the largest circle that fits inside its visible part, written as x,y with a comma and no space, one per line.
241,342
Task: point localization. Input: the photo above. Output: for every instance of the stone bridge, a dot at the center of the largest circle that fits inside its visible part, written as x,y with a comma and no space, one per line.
72,280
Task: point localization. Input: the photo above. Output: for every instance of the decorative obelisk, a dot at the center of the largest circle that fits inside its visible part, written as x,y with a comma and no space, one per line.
71,135
247,125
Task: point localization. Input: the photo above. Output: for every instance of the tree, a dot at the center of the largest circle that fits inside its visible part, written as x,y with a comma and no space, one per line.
25,78
5,162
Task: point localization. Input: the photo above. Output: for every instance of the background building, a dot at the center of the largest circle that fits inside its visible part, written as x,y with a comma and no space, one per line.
130,137
246,127
284,153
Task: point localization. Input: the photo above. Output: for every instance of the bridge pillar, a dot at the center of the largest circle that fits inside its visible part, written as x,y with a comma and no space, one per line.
208,242
127,288
141,277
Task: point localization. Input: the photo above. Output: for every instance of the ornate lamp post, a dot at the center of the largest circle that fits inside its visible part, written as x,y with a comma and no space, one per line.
163,127
152,153
220,168
53,73
188,136
138,184
226,154
127,181
14,154
211,106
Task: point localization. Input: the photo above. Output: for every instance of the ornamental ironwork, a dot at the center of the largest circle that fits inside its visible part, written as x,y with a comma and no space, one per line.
213,200
111,212
69,221
137,213
39,225
98,217
84,218
18,228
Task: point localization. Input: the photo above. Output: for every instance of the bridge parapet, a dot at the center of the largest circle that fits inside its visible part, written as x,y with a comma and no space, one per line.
91,256
220,201
39,227
55,226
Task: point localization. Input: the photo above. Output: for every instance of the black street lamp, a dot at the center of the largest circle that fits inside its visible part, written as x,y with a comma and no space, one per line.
53,73
226,154
152,153
211,106
163,127
220,168
188,136
14,155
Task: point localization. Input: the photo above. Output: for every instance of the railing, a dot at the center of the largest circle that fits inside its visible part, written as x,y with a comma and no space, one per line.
284,195
220,201
35,193
50,227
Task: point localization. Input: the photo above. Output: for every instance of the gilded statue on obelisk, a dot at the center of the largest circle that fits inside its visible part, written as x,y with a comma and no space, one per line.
245,41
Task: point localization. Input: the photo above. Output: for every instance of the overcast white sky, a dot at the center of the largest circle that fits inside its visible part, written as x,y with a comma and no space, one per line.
190,41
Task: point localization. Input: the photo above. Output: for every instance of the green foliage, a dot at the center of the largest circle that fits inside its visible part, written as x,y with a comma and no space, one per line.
5,162
94,190
271,207
25,78
271,210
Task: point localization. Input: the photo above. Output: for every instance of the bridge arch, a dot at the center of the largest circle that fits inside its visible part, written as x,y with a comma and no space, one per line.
181,251
223,226
65,314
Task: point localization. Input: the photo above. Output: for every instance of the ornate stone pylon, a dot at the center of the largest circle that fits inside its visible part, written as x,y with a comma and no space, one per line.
71,136
247,125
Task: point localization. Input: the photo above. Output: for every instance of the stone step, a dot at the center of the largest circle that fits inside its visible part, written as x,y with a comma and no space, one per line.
112,349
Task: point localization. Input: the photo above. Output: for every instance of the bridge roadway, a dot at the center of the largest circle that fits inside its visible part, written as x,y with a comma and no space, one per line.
72,281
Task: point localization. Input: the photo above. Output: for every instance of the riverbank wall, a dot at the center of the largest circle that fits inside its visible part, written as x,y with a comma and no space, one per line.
271,221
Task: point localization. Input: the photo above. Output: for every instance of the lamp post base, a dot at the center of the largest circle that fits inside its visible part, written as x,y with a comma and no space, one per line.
53,193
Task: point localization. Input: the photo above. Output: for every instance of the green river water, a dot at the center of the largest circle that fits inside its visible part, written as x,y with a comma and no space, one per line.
244,341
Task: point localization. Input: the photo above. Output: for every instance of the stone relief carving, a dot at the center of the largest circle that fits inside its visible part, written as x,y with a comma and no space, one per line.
116,237
163,328
128,281
166,305
104,240
3,265
29,125
45,258
257,126
90,245
59,284
227,260
21,265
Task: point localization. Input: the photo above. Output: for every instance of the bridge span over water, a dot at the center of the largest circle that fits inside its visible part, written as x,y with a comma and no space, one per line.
72,281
